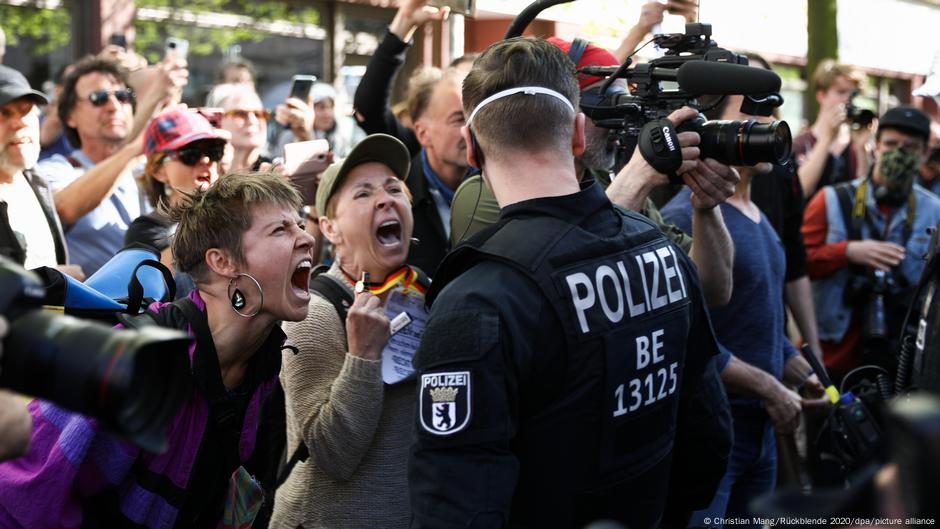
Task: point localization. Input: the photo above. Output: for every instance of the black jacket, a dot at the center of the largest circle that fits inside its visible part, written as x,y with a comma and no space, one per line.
10,246
542,402
372,95
428,226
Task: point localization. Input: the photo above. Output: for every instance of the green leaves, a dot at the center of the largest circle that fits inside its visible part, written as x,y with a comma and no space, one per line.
48,27
209,25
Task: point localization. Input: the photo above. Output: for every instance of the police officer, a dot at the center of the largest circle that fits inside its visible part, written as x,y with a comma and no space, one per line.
564,375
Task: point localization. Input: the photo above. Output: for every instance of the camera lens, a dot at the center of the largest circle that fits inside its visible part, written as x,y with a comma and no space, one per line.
131,381
745,142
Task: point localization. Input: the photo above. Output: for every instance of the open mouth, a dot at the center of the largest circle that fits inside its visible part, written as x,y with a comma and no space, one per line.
21,141
203,181
300,279
389,233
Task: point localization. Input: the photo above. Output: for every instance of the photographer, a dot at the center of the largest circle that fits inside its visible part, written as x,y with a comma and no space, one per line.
866,241
758,361
15,422
832,151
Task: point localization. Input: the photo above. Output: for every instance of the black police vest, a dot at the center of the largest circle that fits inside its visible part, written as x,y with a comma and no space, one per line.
600,446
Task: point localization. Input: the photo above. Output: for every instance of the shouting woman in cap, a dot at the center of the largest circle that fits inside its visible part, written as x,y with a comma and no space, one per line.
349,389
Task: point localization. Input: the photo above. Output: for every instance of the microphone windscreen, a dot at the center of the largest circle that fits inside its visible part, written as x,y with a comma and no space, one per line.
720,78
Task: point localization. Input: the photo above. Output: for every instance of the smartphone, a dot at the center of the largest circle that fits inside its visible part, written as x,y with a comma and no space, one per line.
177,47
463,7
213,115
119,39
305,161
301,85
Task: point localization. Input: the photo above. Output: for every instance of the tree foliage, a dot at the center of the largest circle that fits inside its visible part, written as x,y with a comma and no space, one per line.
46,29
151,34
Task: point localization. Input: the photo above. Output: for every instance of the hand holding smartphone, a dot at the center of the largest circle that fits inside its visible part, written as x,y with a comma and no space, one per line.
178,48
301,85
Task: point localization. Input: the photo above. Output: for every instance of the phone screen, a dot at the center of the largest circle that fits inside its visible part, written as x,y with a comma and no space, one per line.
301,85
118,39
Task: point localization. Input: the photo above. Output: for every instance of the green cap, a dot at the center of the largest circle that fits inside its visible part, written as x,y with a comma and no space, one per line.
381,148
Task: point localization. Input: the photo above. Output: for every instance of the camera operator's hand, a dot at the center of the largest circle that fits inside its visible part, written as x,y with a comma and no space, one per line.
783,405
798,373
880,255
651,14
298,116
367,327
412,14
711,182
816,400
637,179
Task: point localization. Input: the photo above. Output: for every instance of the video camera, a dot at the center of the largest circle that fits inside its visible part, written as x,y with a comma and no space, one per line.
700,68
131,381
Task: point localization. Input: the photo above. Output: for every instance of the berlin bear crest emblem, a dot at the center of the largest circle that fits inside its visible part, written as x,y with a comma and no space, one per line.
445,402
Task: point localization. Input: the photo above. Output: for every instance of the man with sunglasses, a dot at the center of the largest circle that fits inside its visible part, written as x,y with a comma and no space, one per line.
96,195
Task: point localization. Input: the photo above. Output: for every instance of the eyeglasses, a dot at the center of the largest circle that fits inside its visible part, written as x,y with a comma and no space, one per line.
100,98
241,114
192,155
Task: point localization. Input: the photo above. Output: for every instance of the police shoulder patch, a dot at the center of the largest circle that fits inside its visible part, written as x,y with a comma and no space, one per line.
445,402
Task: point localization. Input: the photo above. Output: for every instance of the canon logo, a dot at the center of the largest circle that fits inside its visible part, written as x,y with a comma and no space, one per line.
668,136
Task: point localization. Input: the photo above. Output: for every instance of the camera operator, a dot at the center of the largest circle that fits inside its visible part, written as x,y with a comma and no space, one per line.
759,362
15,421
866,241
475,207
832,150
530,368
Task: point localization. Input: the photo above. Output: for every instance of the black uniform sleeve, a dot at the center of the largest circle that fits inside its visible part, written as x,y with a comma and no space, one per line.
462,472
792,224
375,88
704,433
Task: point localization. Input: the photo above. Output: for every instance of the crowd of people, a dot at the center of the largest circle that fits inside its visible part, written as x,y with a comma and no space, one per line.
472,318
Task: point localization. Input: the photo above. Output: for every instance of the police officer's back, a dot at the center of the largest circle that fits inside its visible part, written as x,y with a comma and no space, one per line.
566,358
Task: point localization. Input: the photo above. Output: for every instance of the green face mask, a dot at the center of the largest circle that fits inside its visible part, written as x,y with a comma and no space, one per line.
897,169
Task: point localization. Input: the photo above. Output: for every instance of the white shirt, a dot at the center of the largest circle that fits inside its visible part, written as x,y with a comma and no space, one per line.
29,223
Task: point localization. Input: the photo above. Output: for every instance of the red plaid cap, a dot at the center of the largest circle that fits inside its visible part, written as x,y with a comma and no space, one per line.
592,56
175,128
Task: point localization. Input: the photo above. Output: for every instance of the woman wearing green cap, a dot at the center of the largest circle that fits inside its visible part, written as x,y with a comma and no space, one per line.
350,392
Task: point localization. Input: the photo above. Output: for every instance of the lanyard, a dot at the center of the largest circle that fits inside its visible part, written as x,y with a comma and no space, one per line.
405,276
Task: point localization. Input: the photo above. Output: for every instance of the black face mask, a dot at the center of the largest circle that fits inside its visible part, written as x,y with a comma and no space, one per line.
897,169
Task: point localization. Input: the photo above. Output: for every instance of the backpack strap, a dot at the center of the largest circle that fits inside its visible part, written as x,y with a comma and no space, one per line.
341,300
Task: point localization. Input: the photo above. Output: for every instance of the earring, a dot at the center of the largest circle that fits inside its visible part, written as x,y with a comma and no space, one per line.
237,297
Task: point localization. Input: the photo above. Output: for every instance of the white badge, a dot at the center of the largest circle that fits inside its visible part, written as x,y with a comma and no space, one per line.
408,319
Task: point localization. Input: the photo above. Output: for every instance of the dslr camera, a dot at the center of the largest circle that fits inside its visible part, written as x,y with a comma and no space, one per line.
859,117
700,68
131,381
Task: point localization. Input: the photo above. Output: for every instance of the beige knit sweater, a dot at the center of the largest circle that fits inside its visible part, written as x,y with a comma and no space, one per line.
358,431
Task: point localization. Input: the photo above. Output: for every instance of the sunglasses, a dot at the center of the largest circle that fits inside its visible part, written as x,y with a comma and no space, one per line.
593,97
192,155
262,115
100,98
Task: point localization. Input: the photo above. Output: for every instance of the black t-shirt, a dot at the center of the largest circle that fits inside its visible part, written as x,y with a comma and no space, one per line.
152,229
779,195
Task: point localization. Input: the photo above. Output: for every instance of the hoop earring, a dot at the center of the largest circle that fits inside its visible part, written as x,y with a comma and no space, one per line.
238,299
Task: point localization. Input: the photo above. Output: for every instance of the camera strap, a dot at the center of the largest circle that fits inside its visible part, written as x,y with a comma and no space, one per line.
854,213
659,145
